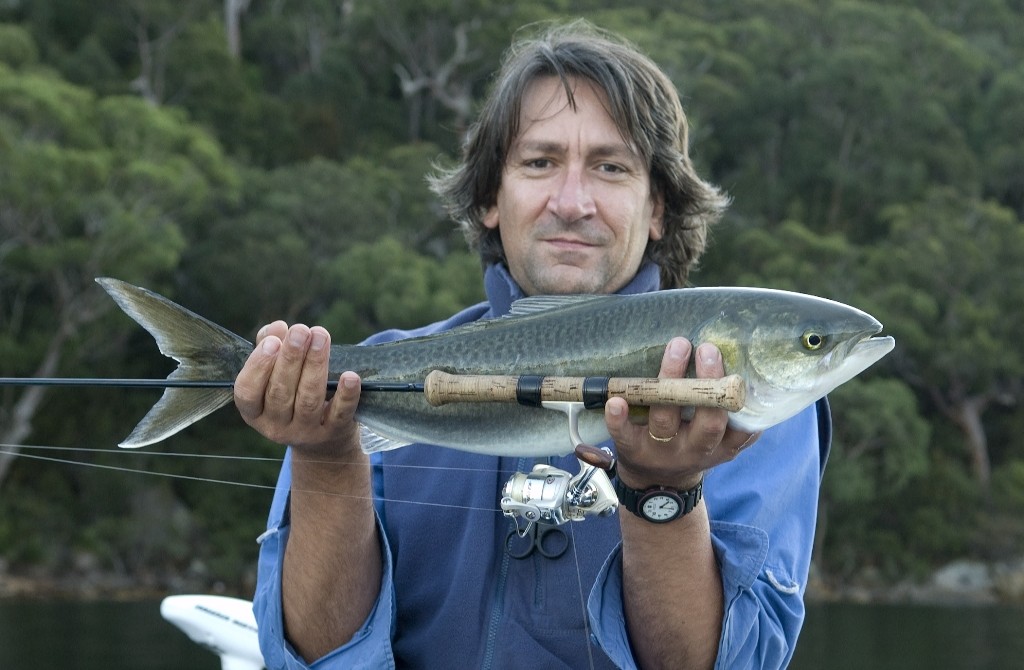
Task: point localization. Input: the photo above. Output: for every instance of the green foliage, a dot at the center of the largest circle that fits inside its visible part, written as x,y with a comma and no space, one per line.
879,433
1008,486
998,120
950,276
294,223
37,525
873,151
413,290
880,446
787,256
17,48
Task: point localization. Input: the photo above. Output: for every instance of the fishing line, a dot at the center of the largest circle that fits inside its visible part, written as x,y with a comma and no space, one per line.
209,480
127,452
275,459
20,453
117,468
583,599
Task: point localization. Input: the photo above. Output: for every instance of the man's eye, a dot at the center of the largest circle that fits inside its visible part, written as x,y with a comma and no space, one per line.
611,168
538,163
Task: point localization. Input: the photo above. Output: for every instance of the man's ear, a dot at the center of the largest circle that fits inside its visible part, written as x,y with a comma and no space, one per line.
657,230
491,217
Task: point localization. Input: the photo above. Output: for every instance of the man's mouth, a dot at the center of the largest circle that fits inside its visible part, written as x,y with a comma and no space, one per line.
569,244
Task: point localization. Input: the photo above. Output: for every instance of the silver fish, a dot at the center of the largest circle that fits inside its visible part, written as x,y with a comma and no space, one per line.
790,348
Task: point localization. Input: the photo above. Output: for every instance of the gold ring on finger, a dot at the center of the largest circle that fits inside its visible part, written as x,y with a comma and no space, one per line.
662,439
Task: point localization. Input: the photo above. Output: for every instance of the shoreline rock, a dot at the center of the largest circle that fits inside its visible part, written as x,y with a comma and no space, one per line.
97,584
960,582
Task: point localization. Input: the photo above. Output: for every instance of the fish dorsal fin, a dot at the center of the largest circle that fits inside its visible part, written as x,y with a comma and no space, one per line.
523,307
543,303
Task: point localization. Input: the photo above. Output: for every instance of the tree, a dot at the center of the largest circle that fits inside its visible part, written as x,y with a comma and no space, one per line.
233,11
999,118
293,224
88,187
442,54
828,112
949,282
879,446
415,290
220,93
155,25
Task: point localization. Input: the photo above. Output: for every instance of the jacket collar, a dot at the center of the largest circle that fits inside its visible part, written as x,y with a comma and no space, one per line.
502,290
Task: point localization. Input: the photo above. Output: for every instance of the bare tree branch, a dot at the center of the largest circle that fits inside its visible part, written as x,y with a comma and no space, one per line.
233,11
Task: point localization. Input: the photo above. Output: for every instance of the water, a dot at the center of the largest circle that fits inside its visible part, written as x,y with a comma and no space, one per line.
61,635
133,636
908,637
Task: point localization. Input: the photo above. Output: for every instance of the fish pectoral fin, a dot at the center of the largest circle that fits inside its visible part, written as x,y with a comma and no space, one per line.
372,442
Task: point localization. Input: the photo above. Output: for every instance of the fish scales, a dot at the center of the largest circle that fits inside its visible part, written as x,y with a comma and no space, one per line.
571,341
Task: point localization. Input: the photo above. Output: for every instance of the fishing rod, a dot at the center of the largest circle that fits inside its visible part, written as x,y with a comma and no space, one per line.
546,495
178,383
441,388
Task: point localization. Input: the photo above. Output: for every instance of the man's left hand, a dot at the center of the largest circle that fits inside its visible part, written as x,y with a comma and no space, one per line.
668,450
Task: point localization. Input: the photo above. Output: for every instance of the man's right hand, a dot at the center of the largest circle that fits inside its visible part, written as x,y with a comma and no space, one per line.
282,392
333,554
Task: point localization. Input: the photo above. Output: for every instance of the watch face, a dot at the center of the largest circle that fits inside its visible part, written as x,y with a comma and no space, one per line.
660,507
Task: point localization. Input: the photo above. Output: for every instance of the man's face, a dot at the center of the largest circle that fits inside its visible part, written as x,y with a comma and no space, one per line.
574,209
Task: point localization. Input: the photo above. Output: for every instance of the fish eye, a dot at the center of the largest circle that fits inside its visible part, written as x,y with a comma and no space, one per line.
812,340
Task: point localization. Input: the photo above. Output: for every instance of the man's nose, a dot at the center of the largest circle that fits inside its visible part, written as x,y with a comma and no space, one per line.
571,199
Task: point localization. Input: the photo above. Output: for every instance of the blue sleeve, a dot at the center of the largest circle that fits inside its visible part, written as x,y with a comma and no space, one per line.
763,509
370,648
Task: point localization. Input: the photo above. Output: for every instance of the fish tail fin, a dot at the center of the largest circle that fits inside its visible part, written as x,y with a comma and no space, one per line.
204,351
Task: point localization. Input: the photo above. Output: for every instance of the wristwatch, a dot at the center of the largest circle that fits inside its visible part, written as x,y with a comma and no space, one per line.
659,504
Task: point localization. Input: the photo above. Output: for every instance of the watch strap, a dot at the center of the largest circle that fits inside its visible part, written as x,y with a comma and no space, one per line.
631,498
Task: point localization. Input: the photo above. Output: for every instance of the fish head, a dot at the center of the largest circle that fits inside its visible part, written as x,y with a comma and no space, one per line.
793,349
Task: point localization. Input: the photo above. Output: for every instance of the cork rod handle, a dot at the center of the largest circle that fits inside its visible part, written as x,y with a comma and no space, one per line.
727,393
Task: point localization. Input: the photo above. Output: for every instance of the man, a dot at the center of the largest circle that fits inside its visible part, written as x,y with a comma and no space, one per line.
575,179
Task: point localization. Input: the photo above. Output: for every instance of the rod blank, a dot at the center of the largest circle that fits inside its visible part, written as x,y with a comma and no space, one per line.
180,383
441,388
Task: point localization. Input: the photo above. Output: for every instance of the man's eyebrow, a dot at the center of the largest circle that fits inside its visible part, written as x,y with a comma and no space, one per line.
540,146
616,150
619,151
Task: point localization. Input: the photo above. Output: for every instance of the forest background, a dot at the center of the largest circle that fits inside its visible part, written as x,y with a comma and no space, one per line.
263,159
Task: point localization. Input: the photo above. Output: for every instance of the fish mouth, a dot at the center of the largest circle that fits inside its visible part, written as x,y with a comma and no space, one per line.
859,354
866,351
768,405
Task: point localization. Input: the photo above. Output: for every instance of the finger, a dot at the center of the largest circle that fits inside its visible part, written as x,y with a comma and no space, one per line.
732,445
616,417
751,439
342,407
277,329
664,420
279,402
312,386
709,424
251,383
709,361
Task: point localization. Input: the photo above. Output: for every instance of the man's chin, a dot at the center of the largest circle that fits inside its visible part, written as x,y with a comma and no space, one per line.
567,280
